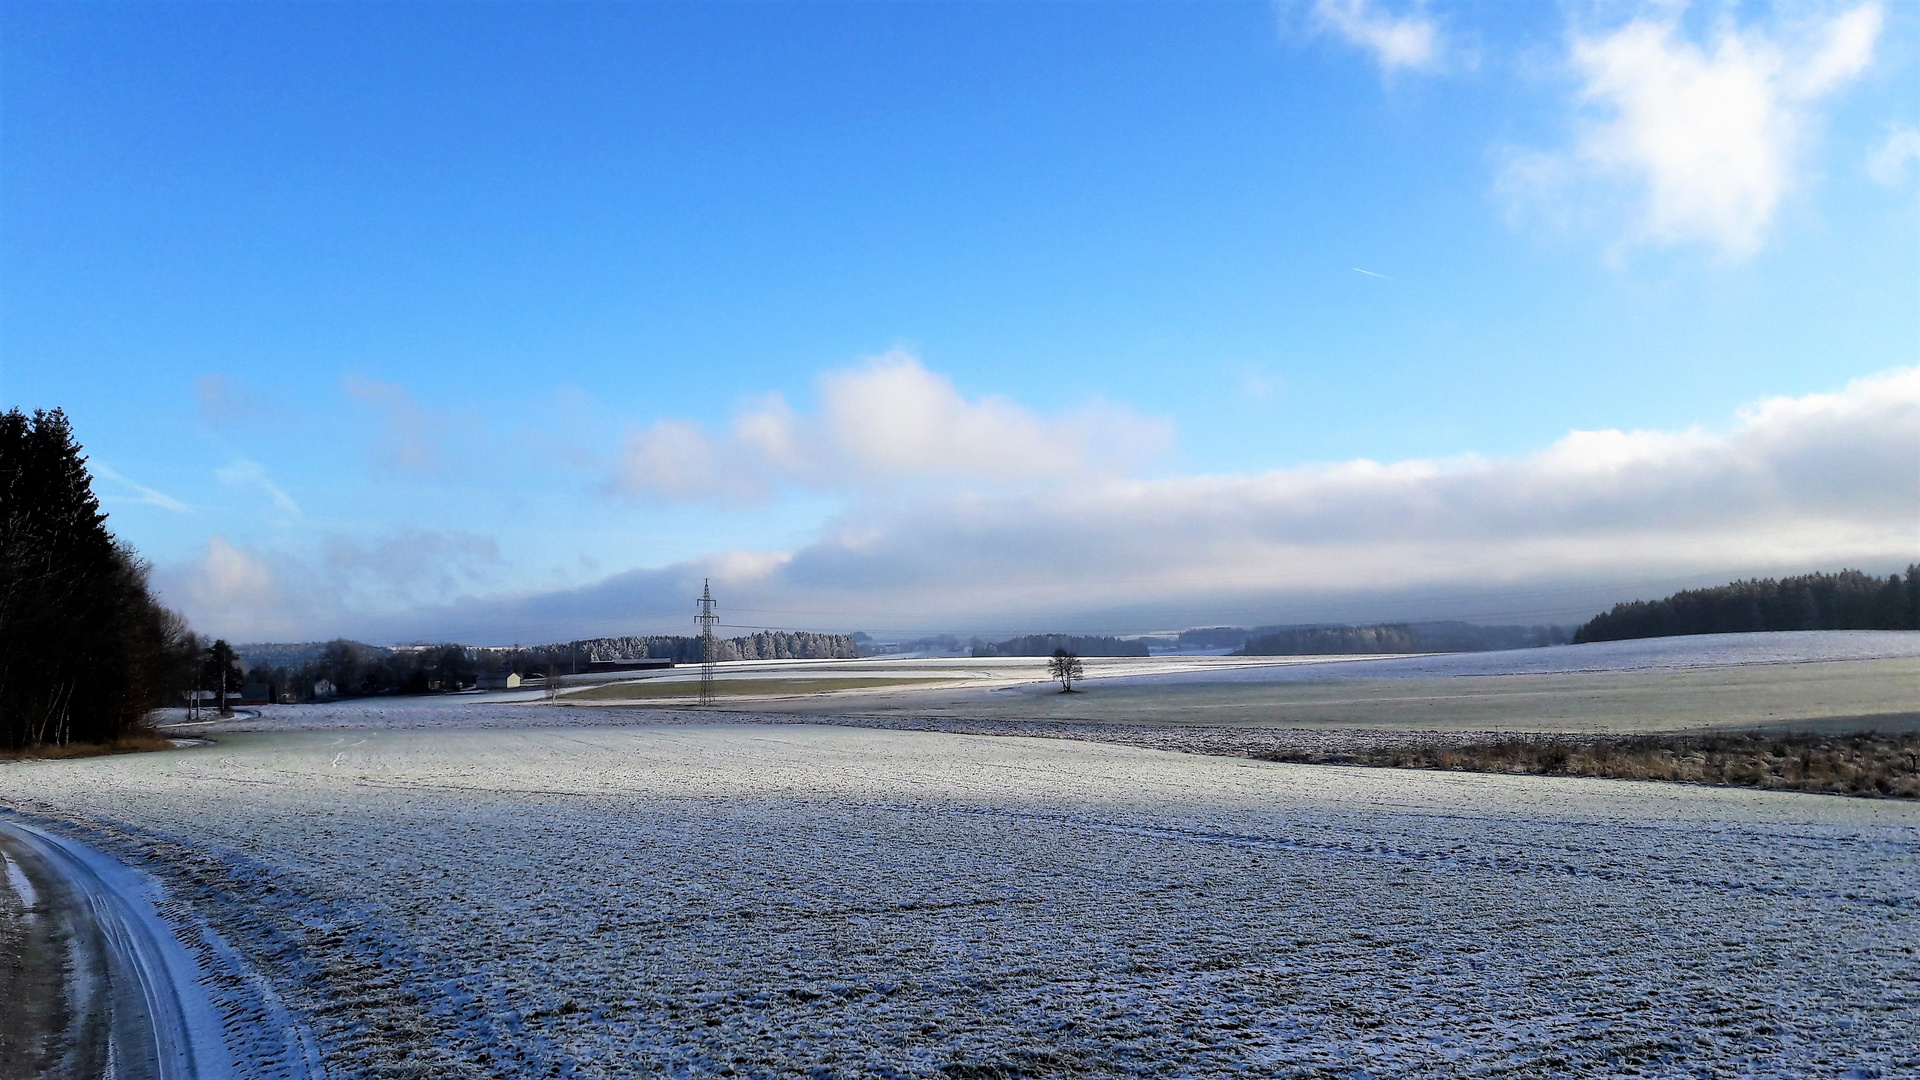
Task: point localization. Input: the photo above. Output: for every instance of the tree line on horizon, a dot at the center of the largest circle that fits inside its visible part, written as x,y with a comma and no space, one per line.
1049,644
1432,636
345,668
1848,600
1420,637
1334,640
687,649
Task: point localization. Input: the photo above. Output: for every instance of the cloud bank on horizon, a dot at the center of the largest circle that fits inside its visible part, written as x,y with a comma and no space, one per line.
1821,480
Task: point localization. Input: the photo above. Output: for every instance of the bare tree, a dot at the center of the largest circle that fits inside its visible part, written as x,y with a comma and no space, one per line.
1066,667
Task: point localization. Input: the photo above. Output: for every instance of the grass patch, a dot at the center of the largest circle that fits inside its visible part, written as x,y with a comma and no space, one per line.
1863,763
645,691
139,741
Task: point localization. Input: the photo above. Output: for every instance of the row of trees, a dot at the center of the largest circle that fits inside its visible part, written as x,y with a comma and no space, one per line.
1453,636
762,645
345,668
1424,637
1048,644
85,649
1848,600
1328,640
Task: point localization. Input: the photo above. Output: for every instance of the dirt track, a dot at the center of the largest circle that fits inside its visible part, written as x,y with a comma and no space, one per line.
95,983
32,966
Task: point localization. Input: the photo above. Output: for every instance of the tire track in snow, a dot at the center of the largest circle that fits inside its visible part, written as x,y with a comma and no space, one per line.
158,1023
160,1019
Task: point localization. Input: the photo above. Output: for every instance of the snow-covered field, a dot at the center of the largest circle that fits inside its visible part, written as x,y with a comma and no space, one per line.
1839,680
818,901
1645,654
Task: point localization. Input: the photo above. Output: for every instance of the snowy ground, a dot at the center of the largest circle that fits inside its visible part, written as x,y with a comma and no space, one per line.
1839,680
819,901
970,677
1644,654
1833,680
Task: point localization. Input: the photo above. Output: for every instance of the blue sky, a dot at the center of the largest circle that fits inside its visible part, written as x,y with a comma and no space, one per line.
509,321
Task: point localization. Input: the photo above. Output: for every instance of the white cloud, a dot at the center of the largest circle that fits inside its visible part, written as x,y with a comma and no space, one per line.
238,594
677,460
246,594
885,422
142,494
1408,41
1888,162
1792,484
1806,481
243,474
1705,140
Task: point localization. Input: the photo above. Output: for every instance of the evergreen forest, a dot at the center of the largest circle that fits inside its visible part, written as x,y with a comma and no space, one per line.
1848,600
1331,640
1048,644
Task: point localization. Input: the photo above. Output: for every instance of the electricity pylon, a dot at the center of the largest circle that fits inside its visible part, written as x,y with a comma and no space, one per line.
708,646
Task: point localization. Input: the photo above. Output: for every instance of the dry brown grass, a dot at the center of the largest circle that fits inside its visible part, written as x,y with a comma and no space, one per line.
139,741
1863,763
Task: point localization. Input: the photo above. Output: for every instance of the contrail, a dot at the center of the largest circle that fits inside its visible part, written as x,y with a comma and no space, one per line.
1370,273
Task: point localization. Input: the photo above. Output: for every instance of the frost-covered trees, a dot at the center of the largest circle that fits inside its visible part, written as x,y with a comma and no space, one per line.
85,651
762,645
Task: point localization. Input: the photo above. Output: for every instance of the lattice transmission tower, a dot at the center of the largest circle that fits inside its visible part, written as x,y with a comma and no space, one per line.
708,646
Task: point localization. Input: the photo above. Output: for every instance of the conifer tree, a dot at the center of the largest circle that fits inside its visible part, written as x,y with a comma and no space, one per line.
85,651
